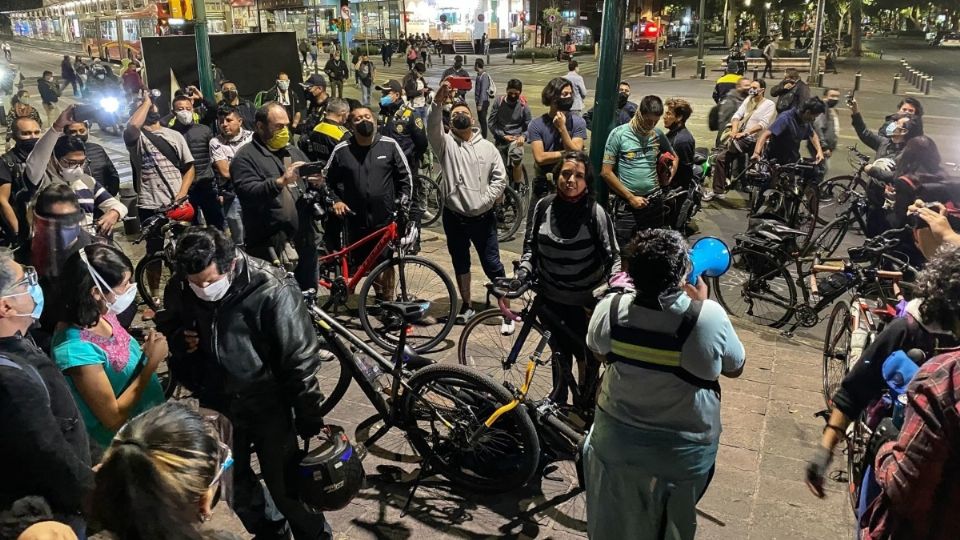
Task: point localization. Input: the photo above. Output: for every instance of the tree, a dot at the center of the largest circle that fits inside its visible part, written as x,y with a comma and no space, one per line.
856,17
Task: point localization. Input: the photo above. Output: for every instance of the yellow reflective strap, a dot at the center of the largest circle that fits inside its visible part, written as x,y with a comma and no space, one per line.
645,354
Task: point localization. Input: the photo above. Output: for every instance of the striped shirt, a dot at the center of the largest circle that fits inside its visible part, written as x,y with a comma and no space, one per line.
92,197
570,269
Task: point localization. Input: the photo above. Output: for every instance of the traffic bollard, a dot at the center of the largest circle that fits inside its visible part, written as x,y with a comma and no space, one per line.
926,89
673,71
856,82
648,69
896,83
703,72
514,56
488,59
820,80
881,54
756,74
670,60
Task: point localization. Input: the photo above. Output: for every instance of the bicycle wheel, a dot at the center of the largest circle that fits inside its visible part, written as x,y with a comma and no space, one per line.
858,435
829,239
509,214
757,288
806,214
151,275
434,204
409,279
836,350
484,348
831,195
445,405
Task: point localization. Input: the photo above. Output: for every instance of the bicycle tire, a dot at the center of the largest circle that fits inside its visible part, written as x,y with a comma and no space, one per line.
332,370
509,463
828,240
807,215
440,292
509,212
434,203
140,276
769,279
836,350
829,191
857,438
486,351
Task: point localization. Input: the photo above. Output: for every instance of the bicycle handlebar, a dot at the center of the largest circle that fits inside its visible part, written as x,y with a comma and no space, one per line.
509,288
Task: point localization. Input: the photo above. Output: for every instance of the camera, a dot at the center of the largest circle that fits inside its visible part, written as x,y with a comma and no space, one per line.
850,99
318,200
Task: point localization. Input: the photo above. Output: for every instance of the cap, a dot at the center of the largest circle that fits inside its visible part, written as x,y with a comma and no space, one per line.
315,80
390,86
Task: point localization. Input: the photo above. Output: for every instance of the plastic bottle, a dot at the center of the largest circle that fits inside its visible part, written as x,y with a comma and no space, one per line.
859,339
371,370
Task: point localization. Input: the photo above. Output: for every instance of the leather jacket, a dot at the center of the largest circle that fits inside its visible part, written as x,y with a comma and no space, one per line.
258,354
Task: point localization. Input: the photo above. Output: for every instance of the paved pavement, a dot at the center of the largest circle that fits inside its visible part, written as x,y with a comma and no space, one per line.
769,428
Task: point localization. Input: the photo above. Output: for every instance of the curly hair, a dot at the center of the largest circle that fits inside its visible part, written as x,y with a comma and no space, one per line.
939,285
656,260
551,92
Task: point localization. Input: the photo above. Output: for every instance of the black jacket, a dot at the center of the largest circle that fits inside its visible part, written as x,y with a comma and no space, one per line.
267,209
44,448
198,140
320,142
404,126
685,147
369,180
790,98
337,70
883,145
258,355
49,91
296,102
101,167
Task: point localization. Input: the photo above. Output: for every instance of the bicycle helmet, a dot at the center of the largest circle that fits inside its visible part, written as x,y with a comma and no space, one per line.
181,212
328,477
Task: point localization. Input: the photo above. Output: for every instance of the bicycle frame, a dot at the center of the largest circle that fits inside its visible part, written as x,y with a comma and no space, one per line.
386,235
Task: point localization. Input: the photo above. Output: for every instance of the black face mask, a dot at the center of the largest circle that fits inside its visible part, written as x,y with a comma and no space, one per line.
364,128
26,145
621,100
81,138
512,100
565,104
461,121
229,95
832,102
457,66
152,118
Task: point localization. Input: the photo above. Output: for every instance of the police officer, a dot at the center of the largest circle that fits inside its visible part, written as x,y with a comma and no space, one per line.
402,123
319,142
315,90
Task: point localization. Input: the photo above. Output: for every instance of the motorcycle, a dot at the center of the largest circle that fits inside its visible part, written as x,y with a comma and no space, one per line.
104,109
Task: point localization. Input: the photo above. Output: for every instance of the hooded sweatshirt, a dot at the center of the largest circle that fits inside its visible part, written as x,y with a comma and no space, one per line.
473,172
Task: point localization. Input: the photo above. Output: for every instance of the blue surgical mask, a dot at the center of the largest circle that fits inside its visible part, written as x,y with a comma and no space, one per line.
386,101
891,129
36,293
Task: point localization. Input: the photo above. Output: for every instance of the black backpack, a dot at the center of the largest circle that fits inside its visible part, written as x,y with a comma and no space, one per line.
713,118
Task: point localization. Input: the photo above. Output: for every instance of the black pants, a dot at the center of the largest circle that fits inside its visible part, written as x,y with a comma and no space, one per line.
270,514
768,68
307,270
565,349
481,231
627,221
204,197
482,110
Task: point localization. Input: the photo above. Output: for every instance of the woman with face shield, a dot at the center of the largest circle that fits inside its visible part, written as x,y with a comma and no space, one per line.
112,377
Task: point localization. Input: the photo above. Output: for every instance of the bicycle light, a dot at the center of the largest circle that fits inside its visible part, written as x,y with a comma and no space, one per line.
110,104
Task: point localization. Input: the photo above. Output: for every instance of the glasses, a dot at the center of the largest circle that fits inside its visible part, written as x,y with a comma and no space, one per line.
73,162
225,460
29,278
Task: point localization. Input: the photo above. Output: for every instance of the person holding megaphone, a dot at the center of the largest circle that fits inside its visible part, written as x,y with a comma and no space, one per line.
652,449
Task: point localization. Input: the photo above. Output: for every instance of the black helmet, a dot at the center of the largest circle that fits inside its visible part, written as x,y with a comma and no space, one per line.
329,476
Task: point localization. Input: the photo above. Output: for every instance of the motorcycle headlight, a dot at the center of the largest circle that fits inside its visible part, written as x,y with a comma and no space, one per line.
110,104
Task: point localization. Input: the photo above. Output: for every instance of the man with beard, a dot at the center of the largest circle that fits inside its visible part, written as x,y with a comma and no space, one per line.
630,170
99,165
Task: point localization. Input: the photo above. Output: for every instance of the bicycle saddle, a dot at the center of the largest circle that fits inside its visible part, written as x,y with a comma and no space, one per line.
774,230
413,360
408,311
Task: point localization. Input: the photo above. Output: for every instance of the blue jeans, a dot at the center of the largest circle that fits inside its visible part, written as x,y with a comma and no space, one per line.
364,94
235,222
481,231
643,483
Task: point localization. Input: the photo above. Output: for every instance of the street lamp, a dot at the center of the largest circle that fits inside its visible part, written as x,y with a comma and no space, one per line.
746,3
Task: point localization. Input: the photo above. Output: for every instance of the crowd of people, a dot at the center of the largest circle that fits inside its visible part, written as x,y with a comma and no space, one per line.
90,436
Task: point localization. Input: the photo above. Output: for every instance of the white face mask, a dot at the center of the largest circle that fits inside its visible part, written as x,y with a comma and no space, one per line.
71,174
123,301
212,292
283,85
185,117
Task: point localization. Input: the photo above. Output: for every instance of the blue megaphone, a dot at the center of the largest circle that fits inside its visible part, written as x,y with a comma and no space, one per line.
710,258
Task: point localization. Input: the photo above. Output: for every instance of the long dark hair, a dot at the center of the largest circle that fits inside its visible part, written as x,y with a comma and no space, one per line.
154,475
79,306
579,157
920,156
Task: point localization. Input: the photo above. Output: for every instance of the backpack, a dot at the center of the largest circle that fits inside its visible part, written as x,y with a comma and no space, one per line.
593,227
713,118
492,90
785,101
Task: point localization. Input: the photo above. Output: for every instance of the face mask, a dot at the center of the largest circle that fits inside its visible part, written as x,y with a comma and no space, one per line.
365,128
891,129
185,117
229,95
832,103
26,145
123,301
36,293
283,85
152,118
621,100
81,138
565,104
461,121
753,91
457,66
213,292
512,100
386,101
72,174
279,140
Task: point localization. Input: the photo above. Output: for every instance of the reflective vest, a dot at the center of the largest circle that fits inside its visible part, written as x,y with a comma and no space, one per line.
659,351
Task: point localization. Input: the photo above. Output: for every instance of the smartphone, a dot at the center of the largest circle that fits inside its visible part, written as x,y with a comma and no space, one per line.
850,98
314,168
460,83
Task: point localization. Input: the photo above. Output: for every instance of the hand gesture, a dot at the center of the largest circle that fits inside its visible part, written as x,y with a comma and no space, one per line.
442,93
291,175
854,106
65,119
107,221
340,209
156,349
560,121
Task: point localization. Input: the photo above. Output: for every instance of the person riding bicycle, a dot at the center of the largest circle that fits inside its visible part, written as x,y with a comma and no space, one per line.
570,226
781,141
509,118
242,342
920,328
652,448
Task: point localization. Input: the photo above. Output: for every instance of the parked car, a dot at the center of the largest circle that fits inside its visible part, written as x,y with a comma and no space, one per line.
950,40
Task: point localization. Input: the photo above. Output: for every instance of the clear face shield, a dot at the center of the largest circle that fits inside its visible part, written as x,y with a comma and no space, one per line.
55,238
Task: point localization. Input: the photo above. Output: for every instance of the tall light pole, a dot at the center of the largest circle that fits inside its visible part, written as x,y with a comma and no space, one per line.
817,37
700,35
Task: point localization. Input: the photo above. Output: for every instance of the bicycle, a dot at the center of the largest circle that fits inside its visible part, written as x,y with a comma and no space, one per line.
155,269
855,214
760,277
789,191
836,188
456,419
404,277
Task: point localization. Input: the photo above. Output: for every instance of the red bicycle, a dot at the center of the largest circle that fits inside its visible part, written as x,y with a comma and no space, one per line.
399,278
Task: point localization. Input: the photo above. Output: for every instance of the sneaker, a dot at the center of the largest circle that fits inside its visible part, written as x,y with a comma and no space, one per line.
464,316
707,196
507,327
711,195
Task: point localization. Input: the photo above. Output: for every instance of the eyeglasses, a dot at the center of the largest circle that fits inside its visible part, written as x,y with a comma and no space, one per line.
73,162
226,461
29,278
